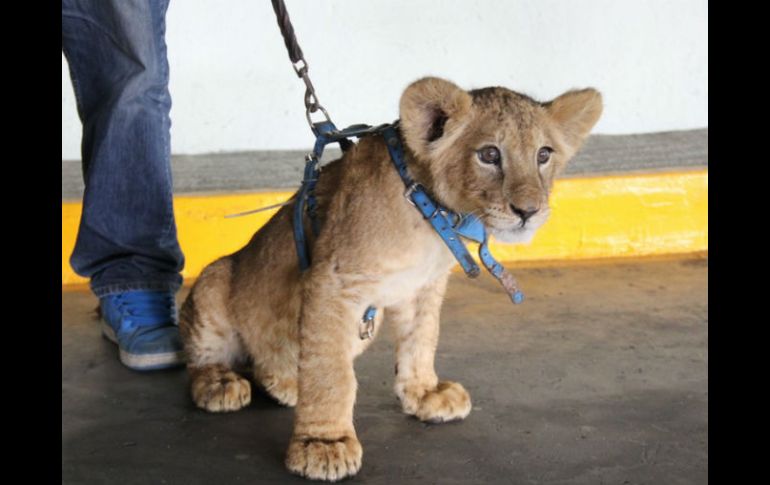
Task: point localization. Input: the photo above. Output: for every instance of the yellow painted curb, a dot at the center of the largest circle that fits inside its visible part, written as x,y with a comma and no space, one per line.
619,216
597,217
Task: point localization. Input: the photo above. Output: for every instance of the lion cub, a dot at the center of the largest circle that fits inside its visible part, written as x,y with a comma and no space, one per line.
491,152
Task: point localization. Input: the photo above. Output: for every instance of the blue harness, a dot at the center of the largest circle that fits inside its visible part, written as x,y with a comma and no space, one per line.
449,225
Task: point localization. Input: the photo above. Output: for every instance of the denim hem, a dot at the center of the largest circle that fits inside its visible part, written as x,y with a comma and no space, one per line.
110,289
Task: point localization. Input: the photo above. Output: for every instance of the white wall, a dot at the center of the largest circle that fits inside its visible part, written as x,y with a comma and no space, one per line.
234,89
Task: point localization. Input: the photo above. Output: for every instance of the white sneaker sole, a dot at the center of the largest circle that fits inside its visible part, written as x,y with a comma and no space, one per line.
143,362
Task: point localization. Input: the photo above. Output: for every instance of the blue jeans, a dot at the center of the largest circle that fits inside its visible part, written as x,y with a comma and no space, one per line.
116,52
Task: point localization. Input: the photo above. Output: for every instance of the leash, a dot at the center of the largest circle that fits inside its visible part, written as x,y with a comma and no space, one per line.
261,209
449,225
298,62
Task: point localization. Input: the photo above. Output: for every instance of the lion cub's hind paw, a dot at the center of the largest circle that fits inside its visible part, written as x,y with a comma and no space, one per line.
329,460
218,392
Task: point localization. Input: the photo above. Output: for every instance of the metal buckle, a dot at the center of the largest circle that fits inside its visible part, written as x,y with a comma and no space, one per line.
409,191
310,110
300,67
366,328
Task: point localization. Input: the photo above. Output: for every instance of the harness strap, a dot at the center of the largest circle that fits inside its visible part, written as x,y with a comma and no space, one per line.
306,201
438,217
448,224
326,133
501,274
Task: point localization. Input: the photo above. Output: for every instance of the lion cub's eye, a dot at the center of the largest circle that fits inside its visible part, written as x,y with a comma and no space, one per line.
544,154
490,155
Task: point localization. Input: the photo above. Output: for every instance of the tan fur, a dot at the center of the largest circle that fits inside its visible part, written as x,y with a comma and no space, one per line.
301,329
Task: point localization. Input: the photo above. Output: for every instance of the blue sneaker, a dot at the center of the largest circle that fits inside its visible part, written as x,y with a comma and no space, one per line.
145,327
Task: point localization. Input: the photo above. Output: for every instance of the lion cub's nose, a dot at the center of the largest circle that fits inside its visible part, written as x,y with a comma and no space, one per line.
526,212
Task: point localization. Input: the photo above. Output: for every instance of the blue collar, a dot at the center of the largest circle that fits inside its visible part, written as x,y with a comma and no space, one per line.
449,225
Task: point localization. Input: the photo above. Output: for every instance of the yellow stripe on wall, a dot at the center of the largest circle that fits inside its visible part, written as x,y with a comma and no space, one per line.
616,216
598,217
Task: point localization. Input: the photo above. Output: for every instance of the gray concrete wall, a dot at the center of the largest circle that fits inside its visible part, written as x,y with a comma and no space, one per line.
257,170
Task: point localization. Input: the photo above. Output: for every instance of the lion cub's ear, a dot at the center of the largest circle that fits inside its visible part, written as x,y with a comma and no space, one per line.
575,113
430,109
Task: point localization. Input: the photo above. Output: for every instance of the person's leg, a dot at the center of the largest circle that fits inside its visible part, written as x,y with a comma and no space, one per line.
127,239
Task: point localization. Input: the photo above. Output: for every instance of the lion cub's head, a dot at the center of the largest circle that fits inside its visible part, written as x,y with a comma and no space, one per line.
493,152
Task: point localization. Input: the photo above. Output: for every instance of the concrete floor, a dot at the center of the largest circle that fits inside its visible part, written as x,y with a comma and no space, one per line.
599,377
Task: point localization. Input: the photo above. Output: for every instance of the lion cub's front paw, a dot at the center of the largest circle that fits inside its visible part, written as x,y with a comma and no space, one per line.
449,401
322,459
220,392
